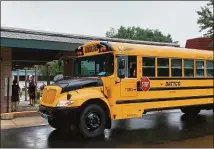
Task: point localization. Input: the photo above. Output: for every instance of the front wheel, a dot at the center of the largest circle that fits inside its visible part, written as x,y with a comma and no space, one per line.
92,121
60,125
54,123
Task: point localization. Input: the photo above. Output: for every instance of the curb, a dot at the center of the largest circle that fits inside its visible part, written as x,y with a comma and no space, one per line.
25,126
9,116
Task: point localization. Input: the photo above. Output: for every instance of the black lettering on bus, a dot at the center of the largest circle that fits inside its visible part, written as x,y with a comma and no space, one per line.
172,83
91,49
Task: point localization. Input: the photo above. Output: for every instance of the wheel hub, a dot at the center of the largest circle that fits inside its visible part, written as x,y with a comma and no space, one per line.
93,121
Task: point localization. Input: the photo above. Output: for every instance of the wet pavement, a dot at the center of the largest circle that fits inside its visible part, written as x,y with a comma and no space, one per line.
150,131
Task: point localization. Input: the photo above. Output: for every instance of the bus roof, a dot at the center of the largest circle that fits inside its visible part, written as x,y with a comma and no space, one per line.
162,51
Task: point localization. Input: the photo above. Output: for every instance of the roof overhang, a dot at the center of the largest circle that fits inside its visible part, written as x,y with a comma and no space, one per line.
55,43
61,40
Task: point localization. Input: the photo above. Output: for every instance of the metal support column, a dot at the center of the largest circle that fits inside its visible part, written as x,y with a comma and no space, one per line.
18,76
36,83
25,85
8,94
48,75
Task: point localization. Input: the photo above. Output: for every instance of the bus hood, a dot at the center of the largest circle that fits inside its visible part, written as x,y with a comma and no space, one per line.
78,83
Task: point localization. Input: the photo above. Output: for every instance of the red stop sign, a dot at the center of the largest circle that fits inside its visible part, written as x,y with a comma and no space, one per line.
145,83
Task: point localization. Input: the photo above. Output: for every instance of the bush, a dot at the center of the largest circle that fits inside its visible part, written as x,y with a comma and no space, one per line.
38,101
38,94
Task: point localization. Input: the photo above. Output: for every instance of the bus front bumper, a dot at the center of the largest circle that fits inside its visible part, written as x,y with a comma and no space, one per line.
60,113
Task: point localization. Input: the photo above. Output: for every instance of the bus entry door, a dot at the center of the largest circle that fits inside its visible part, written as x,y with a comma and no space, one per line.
128,86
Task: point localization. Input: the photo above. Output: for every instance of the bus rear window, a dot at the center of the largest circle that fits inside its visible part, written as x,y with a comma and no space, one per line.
209,68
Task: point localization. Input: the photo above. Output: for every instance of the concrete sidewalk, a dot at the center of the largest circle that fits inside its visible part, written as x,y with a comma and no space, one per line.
23,122
23,110
24,106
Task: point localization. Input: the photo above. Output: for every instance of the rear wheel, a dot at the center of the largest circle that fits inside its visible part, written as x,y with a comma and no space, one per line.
92,121
191,111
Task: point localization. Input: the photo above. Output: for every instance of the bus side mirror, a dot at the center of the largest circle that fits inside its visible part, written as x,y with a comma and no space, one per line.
122,64
117,80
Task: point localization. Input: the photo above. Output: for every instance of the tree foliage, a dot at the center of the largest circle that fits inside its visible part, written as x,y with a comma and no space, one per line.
54,69
206,19
137,33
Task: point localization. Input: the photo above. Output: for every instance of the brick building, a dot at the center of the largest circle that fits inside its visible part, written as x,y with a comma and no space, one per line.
199,43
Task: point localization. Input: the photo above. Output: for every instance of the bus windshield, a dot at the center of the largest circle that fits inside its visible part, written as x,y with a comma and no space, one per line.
98,65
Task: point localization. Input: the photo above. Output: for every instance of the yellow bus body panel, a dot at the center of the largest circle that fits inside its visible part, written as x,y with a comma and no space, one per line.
133,104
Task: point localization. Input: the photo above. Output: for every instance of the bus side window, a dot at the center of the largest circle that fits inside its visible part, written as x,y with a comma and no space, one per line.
163,67
132,66
176,67
209,68
199,68
148,66
188,68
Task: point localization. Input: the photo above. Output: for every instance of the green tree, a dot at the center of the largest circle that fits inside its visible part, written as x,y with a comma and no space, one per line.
206,19
137,33
54,69
42,70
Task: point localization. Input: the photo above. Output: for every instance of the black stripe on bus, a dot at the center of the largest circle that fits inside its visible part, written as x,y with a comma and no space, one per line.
161,99
180,88
201,106
181,78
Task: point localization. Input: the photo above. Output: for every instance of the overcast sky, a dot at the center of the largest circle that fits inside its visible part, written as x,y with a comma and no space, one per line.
177,18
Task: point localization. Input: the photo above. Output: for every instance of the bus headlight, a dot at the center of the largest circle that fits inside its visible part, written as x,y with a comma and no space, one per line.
64,103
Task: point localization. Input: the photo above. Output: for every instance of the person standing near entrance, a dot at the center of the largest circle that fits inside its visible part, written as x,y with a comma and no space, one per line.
32,90
15,95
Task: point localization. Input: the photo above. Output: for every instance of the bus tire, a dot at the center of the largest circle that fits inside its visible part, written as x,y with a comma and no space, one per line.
92,121
59,125
54,123
191,111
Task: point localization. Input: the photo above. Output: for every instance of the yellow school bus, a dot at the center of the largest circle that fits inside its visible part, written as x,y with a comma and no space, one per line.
115,81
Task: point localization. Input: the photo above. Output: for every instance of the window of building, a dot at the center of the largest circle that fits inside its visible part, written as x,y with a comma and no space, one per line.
148,66
176,67
209,68
163,67
189,68
199,68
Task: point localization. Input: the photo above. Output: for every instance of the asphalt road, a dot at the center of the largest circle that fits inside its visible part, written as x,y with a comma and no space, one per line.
152,130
